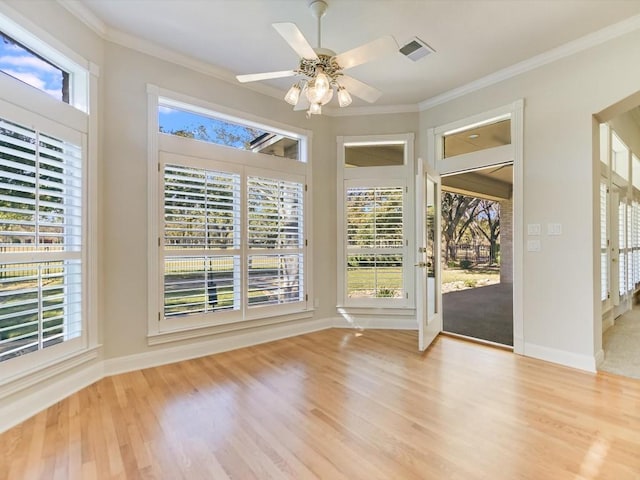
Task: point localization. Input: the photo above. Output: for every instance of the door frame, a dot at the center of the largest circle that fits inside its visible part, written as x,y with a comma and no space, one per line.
435,158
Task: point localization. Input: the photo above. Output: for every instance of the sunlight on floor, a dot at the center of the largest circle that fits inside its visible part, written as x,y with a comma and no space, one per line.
593,460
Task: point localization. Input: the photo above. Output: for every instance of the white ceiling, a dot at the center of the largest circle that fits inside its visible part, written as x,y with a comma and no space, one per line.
472,38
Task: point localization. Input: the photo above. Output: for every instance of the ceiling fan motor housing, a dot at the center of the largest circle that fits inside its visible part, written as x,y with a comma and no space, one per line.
309,66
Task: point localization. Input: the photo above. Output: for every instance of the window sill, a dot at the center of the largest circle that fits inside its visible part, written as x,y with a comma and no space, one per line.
37,374
367,310
204,331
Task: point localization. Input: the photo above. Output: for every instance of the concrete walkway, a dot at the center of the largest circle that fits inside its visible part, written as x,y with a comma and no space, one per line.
484,312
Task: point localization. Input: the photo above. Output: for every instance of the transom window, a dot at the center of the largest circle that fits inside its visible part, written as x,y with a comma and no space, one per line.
495,133
27,66
213,129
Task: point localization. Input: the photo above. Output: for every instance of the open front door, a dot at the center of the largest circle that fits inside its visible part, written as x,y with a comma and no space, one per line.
428,282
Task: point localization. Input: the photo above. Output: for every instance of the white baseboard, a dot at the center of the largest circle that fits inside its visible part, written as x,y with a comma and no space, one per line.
562,357
374,322
518,345
13,413
218,344
24,406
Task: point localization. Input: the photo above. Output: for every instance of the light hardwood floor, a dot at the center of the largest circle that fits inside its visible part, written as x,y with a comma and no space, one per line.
339,404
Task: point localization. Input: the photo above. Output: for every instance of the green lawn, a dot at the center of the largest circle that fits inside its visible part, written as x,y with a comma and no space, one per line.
459,279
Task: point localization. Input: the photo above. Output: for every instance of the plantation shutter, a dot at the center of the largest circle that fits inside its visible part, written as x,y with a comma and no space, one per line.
622,248
375,242
201,240
275,238
41,240
604,243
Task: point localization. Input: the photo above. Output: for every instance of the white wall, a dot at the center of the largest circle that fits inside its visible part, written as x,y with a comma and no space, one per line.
124,183
560,181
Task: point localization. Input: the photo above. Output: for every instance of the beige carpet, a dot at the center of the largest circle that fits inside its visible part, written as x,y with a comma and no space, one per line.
621,344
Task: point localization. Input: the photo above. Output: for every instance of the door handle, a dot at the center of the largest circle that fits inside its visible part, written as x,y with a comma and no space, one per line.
421,264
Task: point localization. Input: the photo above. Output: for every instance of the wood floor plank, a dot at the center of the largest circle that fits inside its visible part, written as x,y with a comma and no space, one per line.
339,404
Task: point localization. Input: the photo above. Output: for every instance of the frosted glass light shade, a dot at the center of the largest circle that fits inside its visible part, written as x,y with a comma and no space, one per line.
293,95
318,87
344,99
327,98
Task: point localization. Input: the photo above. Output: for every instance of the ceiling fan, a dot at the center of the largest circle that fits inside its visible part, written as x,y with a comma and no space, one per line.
321,70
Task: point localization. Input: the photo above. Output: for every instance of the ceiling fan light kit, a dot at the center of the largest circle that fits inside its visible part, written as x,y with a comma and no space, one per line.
322,70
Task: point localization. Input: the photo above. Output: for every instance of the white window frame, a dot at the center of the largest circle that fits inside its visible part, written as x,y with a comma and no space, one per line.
26,105
605,262
387,176
48,47
246,163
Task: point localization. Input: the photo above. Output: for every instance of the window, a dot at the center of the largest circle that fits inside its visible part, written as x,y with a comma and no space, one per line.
622,248
478,137
373,213
201,241
52,69
619,157
27,66
48,319
635,232
41,191
635,171
210,128
275,239
604,241
374,155
375,242
232,223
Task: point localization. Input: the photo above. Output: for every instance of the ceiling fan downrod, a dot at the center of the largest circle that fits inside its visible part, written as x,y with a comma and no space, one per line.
319,8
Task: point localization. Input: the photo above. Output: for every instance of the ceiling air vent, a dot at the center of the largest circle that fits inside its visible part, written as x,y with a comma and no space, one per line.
415,49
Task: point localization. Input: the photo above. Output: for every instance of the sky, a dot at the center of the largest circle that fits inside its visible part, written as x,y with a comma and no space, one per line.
25,66
170,119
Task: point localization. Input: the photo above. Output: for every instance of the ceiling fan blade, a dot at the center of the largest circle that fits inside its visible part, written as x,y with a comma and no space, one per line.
359,89
293,36
254,77
367,52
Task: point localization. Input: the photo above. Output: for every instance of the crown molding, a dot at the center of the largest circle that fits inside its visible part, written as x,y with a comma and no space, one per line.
369,110
118,37
144,46
77,8
583,43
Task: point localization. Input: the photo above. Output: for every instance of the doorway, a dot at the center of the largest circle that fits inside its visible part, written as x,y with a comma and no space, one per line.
462,153
619,209
477,269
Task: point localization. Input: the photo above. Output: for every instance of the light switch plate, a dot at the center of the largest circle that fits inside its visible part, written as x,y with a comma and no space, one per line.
533,229
554,229
533,245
